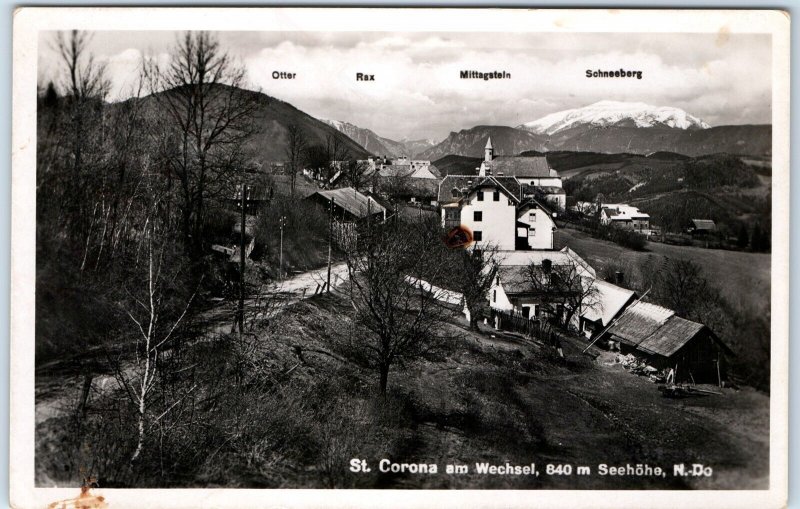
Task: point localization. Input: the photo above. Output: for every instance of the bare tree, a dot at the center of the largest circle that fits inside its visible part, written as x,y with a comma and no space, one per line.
355,173
147,309
403,315
85,87
295,152
681,286
566,289
209,117
337,152
473,274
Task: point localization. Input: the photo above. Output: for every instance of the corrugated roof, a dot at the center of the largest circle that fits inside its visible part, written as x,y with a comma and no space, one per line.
670,337
639,321
352,201
521,166
606,301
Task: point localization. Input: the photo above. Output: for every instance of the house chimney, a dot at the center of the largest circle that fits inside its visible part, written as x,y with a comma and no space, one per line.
619,277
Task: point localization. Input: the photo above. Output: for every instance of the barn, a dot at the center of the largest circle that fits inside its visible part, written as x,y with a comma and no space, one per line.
664,340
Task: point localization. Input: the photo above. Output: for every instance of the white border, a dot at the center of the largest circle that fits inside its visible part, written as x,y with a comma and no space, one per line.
27,23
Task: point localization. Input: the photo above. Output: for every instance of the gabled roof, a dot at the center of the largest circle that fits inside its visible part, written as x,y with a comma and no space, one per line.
704,224
515,279
522,166
465,184
530,203
606,301
354,202
639,321
671,336
609,212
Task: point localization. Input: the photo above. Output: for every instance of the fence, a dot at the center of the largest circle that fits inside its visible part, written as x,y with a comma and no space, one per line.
534,328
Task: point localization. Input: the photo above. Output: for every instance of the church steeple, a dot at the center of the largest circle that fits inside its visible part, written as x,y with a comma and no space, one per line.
488,152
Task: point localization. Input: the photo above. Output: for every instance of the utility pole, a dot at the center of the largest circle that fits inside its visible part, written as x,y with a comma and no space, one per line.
240,313
281,222
330,243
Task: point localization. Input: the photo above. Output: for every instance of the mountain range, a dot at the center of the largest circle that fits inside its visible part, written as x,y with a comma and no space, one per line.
615,113
611,127
378,145
603,127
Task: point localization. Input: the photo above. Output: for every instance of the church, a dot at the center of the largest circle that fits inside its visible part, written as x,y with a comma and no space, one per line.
503,210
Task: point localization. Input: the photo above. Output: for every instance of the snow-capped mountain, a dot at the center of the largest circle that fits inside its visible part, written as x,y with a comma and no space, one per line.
615,113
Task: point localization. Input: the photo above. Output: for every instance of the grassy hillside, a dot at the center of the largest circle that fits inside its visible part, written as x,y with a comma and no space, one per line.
743,277
731,190
302,411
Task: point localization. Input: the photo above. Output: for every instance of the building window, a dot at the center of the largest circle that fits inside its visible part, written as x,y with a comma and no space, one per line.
494,295
480,195
532,232
477,216
496,196
478,236
456,193
532,216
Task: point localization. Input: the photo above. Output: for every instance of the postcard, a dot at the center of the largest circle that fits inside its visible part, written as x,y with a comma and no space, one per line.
348,257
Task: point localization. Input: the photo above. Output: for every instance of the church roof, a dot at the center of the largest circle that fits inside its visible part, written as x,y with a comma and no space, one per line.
521,166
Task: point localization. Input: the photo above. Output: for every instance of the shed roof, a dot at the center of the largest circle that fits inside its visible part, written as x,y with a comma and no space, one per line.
670,337
639,321
606,301
352,201
704,224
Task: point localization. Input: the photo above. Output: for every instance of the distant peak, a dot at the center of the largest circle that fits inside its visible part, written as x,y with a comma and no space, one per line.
608,113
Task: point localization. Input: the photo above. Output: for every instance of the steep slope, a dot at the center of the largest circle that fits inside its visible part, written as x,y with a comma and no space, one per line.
615,113
367,138
413,148
471,142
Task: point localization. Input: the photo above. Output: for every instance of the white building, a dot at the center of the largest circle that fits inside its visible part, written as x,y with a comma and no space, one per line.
624,216
485,205
513,291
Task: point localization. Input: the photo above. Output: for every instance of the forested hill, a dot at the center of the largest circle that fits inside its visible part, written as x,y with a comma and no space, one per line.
271,118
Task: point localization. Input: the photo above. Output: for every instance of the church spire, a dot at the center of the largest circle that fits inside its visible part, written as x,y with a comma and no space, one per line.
488,152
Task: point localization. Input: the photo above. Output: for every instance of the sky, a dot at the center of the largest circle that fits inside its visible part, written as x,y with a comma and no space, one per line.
722,78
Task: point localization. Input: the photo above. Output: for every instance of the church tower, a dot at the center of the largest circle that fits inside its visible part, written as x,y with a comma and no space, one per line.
488,152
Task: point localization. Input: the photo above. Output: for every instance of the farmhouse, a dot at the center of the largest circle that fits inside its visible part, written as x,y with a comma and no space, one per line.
514,292
624,216
348,204
666,341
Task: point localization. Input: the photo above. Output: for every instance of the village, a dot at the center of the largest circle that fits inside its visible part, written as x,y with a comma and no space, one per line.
508,208
259,299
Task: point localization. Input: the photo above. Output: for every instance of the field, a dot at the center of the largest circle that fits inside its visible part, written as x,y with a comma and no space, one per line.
494,399
743,277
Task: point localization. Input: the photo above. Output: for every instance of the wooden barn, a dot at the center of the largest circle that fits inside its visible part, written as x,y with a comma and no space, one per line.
664,340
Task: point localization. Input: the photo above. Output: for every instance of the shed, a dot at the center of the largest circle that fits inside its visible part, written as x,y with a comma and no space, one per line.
700,226
348,203
665,340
